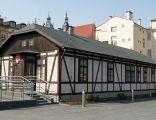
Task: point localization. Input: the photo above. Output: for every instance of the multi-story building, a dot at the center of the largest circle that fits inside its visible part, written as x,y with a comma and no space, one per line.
125,32
7,27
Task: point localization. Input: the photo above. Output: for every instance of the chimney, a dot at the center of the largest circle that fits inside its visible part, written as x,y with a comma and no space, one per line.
129,15
71,30
139,22
153,24
110,17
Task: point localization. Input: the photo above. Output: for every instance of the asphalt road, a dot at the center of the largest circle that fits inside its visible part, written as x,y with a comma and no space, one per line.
142,110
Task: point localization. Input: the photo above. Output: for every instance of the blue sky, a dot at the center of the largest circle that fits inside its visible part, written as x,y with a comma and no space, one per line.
79,11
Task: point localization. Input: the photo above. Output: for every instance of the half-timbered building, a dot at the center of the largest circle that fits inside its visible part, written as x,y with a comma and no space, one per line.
70,64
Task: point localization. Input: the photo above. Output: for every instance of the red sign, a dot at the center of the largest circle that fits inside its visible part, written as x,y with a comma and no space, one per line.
18,57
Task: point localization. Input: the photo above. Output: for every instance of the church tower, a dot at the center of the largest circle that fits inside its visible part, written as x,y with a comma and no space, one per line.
48,22
66,24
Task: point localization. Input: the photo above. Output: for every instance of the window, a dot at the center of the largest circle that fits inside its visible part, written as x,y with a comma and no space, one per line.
123,26
31,42
143,43
110,72
12,24
113,29
145,74
24,42
123,40
83,70
138,74
130,73
152,75
114,40
129,39
41,68
149,52
149,35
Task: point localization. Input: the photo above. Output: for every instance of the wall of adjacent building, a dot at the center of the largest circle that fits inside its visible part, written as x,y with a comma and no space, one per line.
141,42
123,33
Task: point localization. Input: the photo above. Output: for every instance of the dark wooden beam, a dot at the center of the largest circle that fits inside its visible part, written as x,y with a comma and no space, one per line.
68,75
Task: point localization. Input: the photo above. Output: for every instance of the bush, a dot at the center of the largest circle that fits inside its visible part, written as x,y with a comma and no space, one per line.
153,94
92,98
122,96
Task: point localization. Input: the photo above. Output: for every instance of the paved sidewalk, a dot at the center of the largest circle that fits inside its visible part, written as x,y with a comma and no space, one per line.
143,110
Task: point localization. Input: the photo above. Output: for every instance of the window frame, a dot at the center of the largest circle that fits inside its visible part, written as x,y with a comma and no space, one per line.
24,43
138,74
152,77
114,41
114,29
110,72
149,35
129,73
82,65
31,42
145,73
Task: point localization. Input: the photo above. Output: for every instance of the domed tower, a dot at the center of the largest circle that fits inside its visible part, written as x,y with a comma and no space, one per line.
66,24
48,22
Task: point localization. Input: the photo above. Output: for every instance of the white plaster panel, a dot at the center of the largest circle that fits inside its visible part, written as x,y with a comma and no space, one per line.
50,62
98,87
104,71
70,67
123,73
127,86
104,87
65,88
133,86
116,87
5,67
90,70
118,71
53,88
110,87
89,87
80,87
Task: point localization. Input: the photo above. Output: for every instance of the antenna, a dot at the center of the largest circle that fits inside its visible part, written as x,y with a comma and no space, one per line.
35,20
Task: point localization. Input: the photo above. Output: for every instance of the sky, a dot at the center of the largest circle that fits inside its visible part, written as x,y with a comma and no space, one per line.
79,11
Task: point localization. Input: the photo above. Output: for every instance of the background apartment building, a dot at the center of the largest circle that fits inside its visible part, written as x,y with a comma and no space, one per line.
7,27
124,32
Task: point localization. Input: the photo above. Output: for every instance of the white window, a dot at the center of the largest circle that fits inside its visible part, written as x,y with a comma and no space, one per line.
149,35
24,42
114,40
149,52
113,29
31,42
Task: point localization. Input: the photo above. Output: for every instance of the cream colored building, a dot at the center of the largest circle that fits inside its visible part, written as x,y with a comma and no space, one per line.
125,32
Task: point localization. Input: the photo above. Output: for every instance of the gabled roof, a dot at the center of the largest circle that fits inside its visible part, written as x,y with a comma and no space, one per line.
64,40
87,31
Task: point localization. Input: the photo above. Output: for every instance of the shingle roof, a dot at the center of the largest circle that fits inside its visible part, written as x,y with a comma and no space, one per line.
73,41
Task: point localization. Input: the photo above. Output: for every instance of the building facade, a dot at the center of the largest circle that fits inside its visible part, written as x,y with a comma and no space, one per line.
7,27
124,32
69,64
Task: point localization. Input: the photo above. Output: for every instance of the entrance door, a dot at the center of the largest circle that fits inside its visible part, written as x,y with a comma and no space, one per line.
30,68
18,68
